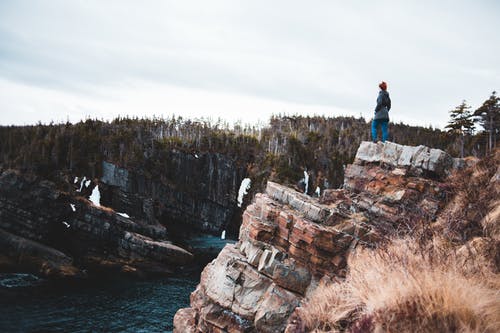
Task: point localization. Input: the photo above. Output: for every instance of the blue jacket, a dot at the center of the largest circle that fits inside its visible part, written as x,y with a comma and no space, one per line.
383,106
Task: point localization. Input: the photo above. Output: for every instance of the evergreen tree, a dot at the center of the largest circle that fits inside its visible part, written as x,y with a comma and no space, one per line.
488,116
461,123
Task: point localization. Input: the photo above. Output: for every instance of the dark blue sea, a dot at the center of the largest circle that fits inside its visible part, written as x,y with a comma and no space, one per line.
31,304
28,304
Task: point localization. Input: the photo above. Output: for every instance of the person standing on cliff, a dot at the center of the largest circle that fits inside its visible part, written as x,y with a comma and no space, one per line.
381,113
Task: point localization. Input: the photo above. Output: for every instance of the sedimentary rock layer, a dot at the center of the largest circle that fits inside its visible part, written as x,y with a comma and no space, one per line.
290,243
51,233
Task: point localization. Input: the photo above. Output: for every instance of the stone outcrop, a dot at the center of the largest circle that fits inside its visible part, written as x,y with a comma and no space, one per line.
24,254
52,233
193,193
290,243
416,159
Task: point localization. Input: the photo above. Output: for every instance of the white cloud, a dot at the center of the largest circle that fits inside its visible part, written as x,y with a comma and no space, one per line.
62,59
144,99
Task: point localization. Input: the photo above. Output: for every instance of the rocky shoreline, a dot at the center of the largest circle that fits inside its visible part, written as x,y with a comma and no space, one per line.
289,242
56,234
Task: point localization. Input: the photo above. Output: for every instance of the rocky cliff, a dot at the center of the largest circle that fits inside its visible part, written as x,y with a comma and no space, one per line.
53,233
291,243
193,192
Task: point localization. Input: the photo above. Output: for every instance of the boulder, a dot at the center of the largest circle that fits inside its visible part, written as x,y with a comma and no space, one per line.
36,258
185,321
275,308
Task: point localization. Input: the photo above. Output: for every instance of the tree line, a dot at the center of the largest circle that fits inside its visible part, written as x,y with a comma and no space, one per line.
463,121
280,150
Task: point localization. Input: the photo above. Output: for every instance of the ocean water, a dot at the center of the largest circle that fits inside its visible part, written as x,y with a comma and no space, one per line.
29,304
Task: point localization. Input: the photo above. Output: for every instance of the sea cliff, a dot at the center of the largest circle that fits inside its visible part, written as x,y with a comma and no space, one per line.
52,233
291,243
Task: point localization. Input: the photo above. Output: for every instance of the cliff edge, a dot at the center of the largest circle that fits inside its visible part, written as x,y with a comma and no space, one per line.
291,243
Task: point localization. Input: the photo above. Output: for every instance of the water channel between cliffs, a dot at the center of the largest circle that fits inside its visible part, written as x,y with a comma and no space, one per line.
30,304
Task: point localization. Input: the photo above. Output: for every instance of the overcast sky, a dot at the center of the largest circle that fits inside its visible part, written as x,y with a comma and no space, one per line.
244,60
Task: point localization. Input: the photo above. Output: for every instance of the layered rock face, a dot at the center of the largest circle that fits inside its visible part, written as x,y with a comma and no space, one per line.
194,193
290,243
51,233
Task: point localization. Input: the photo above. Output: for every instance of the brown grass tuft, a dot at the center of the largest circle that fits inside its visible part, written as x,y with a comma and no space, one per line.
407,288
474,210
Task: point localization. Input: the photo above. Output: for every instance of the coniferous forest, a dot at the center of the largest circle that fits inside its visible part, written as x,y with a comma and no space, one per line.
281,150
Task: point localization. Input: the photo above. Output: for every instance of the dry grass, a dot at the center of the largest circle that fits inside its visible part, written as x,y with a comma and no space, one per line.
474,209
405,288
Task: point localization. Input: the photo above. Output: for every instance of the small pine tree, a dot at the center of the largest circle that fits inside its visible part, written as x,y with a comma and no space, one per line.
488,116
461,123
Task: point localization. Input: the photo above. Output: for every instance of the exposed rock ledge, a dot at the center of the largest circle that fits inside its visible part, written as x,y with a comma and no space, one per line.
50,233
290,243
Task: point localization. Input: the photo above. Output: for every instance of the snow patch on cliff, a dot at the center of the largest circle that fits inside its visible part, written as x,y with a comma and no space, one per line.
81,184
306,181
318,191
244,187
84,182
95,197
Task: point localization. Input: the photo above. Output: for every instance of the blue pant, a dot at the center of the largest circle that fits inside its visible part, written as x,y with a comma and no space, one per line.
383,123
